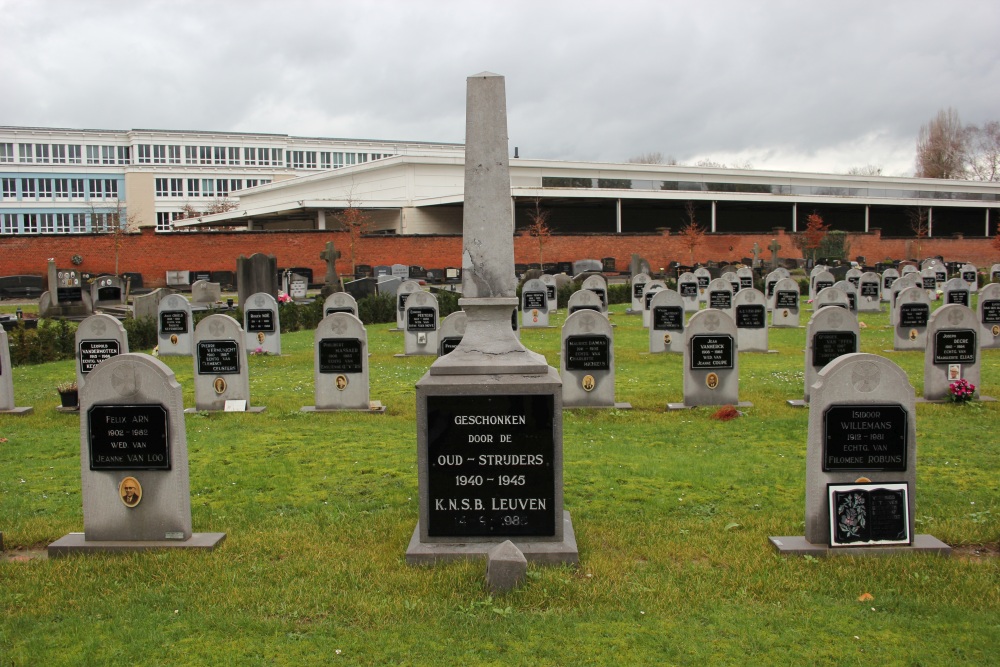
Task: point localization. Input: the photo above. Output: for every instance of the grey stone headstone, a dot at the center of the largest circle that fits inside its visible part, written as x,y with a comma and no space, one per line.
909,280
452,331
220,363
745,276
704,277
957,290
869,293
907,270
889,276
584,300
734,283
853,276
820,281
340,363
913,311
711,360
403,292
720,295
587,362
995,273
848,288
262,324
831,296
7,379
174,327
203,291
163,511
770,281
98,337
506,568
107,291
553,290
584,265
687,287
148,305
361,288
786,303
858,380
534,304
52,284
830,333
970,275
750,309
599,286
666,322
952,351
636,287
650,290
340,302
420,324
401,271
928,278
257,273
988,314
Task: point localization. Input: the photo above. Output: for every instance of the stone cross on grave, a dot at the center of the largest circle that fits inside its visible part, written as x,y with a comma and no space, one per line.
755,251
330,256
774,248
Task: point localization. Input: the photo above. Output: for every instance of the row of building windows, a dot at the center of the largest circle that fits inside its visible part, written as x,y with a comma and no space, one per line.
251,156
57,223
758,188
204,187
34,189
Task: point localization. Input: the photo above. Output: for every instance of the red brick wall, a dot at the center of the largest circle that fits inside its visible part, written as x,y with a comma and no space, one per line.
153,254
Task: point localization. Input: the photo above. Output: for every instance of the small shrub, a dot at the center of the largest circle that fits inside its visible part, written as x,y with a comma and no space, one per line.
141,333
447,303
378,309
50,341
619,294
567,290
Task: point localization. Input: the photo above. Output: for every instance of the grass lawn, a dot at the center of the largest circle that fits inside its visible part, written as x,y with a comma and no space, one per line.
671,510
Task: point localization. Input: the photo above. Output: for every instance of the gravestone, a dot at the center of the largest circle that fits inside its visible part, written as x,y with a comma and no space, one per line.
134,463
720,295
774,247
382,270
174,327
98,337
704,277
928,279
7,406
820,281
340,365
148,305
420,322
587,362
584,300
995,273
599,286
401,271
107,291
340,302
853,276
255,274
862,455
262,324
957,290
831,296
952,352
909,280
387,285
770,280
330,255
869,293
451,332
913,312
711,362
637,285
786,303
403,293
745,276
552,291
830,333
852,295
970,275
666,322
813,272
534,304
65,296
750,309
889,276
584,265
988,311
907,269
687,288
490,409
203,291
734,284
361,288
221,376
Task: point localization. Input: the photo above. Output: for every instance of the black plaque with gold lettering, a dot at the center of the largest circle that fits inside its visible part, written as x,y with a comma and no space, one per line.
787,299
721,299
534,300
991,311
490,466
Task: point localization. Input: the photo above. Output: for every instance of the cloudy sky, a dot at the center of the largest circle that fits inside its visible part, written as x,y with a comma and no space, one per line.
779,85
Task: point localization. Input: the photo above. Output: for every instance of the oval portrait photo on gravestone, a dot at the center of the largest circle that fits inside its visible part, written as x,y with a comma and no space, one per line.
341,382
220,386
130,491
588,383
712,380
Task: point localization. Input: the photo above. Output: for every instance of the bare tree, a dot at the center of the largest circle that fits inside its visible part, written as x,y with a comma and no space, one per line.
867,170
653,157
218,205
942,147
356,223
984,151
118,224
918,224
539,229
692,234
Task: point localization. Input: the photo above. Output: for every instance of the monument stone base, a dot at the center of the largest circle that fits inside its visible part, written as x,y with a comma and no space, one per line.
255,409
74,543
984,399
375,407
17,411
682,406
797,545
547,553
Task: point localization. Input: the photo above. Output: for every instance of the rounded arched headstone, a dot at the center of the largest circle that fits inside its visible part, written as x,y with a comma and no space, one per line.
452,331
785,312
420,335
262,323
534,304
750,308
340,302
583,299
637,285
869,293
98,337
175,328
831,333
988,310
652,287
220,363
687,287
340,363
913,312
711,362
952,352
666,322
587,362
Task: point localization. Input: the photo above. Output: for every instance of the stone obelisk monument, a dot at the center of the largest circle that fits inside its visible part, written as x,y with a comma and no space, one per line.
489,414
